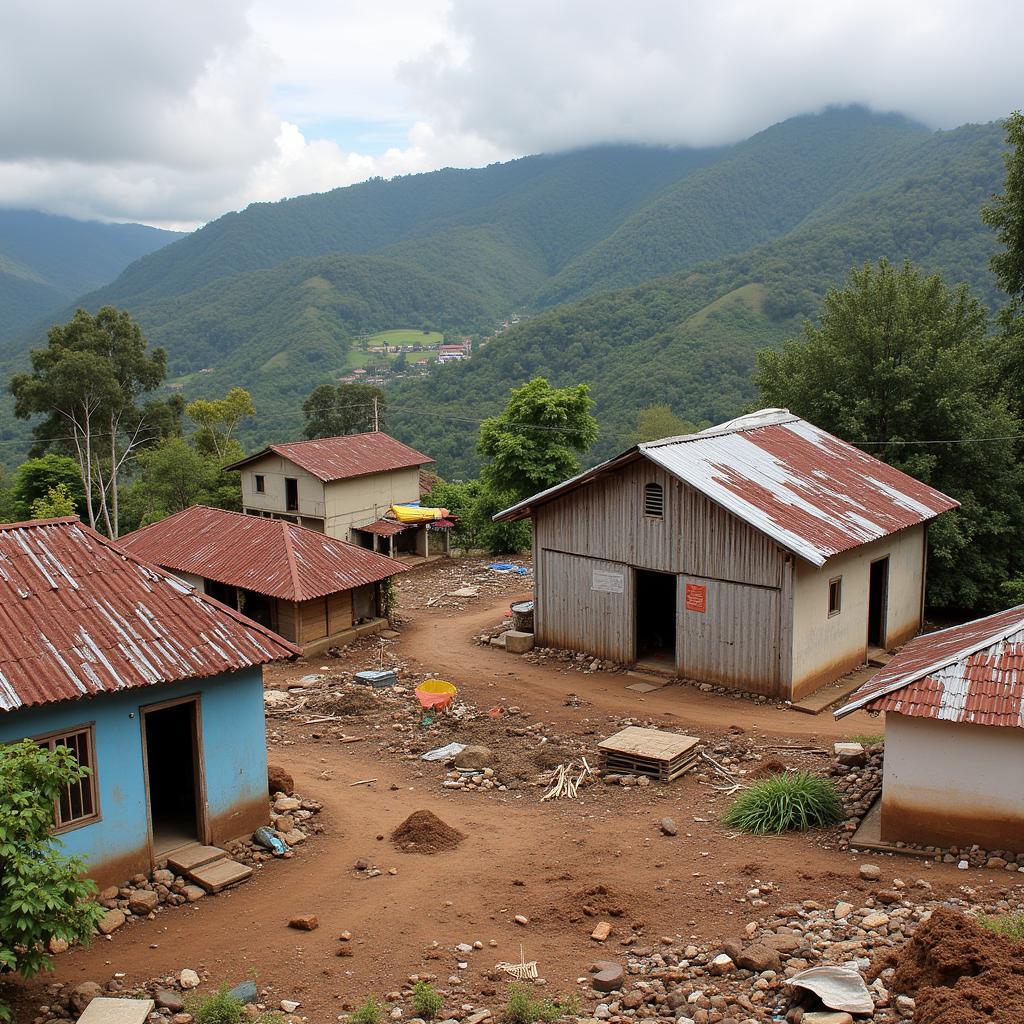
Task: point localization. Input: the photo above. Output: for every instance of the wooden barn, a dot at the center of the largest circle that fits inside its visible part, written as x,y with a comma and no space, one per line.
762,554
310,588
954,736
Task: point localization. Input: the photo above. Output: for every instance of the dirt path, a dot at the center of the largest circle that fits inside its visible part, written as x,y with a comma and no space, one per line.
551,862
440,643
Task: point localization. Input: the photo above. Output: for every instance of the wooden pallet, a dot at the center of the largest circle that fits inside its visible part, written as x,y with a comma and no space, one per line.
659,755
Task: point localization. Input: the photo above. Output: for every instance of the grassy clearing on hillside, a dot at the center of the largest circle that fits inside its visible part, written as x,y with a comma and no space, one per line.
406,337
750,295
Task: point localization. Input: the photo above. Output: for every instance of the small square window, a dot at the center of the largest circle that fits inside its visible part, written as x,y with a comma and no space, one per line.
835,596
654,501
261,485
78,803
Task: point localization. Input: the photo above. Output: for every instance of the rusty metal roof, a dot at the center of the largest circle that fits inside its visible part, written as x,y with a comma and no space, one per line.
812,493
79,617
384,527
970,673
337,458
267,556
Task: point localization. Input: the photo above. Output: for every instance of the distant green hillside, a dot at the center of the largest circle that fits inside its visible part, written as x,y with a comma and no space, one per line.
45,261
673,265
689,339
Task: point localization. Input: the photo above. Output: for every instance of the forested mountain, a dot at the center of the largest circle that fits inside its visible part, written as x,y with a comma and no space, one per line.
711,254
46,261
689,339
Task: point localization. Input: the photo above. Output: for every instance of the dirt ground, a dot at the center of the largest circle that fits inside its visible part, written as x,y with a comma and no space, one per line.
564,865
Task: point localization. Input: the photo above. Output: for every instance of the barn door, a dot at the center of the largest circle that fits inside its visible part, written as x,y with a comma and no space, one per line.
729,634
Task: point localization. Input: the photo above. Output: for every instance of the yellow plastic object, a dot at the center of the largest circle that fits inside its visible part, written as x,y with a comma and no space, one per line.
435,694
418,514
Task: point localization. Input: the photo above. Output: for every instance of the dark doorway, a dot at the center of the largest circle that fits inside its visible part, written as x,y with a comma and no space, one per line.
291,494
878,599
656,599
172,775
222,592
258,607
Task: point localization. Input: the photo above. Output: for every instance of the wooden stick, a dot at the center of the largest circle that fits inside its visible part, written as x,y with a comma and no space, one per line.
362,782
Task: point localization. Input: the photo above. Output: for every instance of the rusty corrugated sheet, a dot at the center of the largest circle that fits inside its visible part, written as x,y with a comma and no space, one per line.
384,527
79,617
969,673
812,493
267,556
337,458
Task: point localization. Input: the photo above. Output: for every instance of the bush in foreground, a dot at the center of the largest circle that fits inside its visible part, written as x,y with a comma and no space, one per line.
794,801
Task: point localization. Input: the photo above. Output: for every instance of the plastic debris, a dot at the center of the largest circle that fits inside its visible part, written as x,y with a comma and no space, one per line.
839,988
265,838
443,753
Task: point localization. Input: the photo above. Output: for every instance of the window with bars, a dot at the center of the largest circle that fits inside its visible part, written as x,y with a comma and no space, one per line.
78,803
654,501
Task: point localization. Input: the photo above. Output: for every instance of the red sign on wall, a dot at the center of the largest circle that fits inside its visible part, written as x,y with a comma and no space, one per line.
696,597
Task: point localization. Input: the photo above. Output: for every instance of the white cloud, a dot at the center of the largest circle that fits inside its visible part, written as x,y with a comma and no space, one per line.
173,114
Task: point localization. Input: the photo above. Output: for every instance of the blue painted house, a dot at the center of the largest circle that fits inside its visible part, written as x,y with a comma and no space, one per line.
154,686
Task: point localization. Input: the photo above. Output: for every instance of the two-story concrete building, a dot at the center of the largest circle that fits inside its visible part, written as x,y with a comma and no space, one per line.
344,487
763,554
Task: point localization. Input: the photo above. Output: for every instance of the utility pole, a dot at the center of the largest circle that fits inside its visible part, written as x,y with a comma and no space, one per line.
376,417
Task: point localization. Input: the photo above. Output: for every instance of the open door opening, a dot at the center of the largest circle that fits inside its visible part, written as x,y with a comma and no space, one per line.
878,599
172,744
656,599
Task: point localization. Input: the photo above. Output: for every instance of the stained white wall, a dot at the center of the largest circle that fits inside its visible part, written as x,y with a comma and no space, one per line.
825,647
948,783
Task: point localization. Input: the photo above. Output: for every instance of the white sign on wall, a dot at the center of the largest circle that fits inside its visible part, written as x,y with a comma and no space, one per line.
609,582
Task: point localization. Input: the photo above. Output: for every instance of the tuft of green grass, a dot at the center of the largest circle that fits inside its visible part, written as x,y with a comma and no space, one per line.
795,801
426,1000
1010,925
867,739
523,1008
368,1012
215,1008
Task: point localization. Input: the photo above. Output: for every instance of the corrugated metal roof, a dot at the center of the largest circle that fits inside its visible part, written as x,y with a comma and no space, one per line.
337,458
79,616
268,556
969,673
384,527
812,493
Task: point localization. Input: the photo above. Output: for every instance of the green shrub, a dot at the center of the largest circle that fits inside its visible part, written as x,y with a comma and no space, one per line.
523,1008
782,803
426,1000
216,1008
1010,925
370,1012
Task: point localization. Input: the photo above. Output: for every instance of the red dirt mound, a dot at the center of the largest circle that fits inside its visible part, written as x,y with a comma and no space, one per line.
767,769
425,832
961,973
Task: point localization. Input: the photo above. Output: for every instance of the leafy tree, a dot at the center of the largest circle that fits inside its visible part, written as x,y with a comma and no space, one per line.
474,503
218,419
536,442
898,358
1005,214
174,475
658,421
35,478
42,893
332,410
86,384
8,507
58,502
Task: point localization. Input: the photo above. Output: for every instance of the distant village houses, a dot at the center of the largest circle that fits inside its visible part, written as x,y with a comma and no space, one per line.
763,554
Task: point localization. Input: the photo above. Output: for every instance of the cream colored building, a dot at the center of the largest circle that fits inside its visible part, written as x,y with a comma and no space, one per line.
762,554
344,487
954,736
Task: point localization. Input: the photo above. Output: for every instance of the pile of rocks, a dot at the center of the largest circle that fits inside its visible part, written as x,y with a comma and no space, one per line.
858,778
473,780
743,980
142,897
293,819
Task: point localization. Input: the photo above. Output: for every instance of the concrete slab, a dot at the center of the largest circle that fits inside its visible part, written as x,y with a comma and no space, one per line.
644,687
187,859
220,874
869,836
833,693
104,1010
517,642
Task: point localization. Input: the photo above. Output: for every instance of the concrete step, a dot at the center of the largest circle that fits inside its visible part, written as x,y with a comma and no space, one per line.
188,858
220,874
103,1010
877,658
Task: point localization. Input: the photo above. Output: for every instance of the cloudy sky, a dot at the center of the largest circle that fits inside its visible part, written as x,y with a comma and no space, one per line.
172,114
